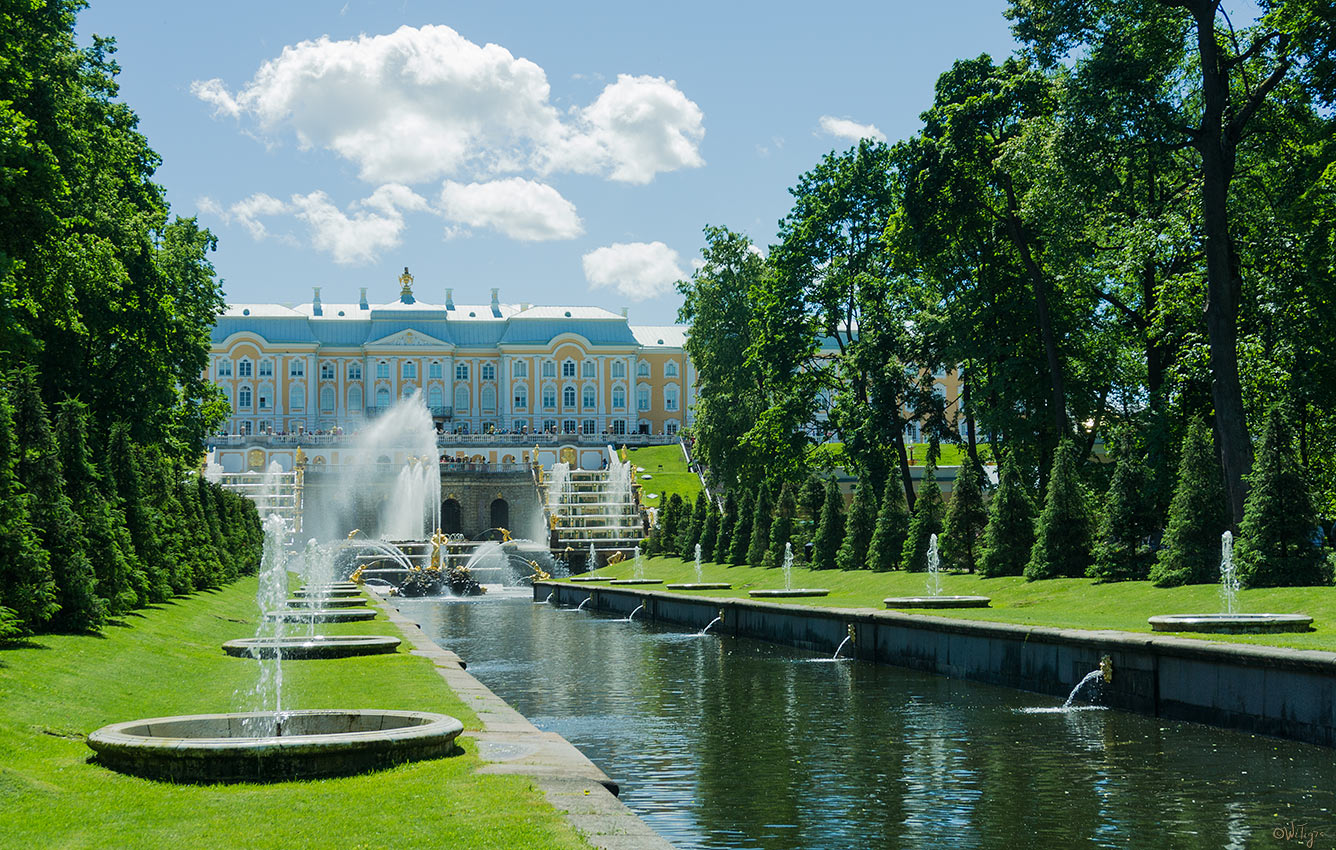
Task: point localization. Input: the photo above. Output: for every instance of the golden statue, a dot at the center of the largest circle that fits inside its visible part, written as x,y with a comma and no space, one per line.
505,535
616,558
553,522
437,540
353,533
406,286
625,455
301,456
356,577
538,573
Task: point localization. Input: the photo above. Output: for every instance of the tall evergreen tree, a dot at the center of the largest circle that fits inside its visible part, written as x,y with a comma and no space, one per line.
962,532
1198,515
781,528
115,585
742,532
57,526
670,525
122,459
1127,523
709,534
813,498
830,532
727,523
27,586
169,520
208,567
1063,536
926,521
1009,535
886,550
859,527
692,526
762,510
1276,539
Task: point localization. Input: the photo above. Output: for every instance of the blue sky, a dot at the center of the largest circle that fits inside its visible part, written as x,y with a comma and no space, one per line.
567,153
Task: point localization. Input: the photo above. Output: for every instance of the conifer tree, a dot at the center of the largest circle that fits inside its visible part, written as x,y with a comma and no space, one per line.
742,532
669,525
1276,546
690,534
1197,516
709,534
813,498
115,586
781,527
886,550
208,568
1062,541
962,532
926,521
169,521
1009,535
762,511
727,523
859,527
1127,523
123,466
27,586
830,531
53,517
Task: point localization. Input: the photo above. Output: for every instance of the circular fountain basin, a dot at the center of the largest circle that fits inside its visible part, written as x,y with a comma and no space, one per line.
320,646
252,746
636,581
350,602
701,585
591,578
938,601
335,585
1231,623
327,593
323,615
792,591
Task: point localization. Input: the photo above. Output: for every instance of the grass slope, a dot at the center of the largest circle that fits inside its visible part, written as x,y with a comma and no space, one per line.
56,689
1063,603
669,474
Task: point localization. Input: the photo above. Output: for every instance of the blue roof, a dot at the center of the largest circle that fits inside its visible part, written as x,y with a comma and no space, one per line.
540,331
487,333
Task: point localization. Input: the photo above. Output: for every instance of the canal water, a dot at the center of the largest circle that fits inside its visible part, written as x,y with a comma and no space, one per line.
721,742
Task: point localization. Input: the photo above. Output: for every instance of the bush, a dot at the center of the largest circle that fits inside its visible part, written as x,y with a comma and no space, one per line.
742,532
926,522
781,529
1276,546
709,534
886,549
1127,523
760,531
830,533
965,518
1197,516
859,527
1062,539
1009,535
27,585
727,523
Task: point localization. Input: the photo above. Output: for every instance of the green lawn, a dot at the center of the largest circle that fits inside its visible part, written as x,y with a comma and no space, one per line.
56,689
830,455
1065,603
668,473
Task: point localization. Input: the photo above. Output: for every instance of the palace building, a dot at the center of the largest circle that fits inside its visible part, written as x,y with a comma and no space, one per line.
483,369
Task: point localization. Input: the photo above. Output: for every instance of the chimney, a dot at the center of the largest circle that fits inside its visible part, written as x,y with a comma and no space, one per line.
361,301
496,302
315,303
449,299
625,310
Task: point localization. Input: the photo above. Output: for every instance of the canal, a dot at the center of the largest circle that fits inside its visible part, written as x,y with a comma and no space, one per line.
731,743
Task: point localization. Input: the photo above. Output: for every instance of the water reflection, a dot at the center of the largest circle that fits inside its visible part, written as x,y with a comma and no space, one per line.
724,743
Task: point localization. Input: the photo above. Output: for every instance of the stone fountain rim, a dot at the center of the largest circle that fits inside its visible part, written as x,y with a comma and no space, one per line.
943,601
701,585
624,581
1220,623
298,647
118,735
786,592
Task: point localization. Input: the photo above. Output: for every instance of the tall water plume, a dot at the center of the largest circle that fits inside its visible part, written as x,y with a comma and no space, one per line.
271,596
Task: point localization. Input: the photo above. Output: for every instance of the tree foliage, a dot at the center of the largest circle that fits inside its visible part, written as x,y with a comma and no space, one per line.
1009,535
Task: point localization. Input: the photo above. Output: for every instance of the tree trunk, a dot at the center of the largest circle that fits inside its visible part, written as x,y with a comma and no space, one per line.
970,435
906,479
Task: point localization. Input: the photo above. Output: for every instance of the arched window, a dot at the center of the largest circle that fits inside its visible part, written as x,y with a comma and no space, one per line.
326,399
407,391
410,370
549,397
642,397
619,398
244,397
590,396
587,369
435,397
670,369
434,369
461,399
642,371
355,399
382,397
521,397
488,398
383,369
297,398
568,397
618,369
568,369
670,398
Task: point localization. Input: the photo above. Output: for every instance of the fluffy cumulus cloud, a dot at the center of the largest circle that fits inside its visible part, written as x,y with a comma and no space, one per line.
638,270
843,128
356,235
423,103
521,209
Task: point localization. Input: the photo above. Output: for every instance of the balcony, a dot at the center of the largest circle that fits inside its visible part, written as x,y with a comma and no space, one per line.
446,440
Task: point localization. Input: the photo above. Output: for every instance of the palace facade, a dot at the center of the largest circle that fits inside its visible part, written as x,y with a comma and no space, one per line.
481,368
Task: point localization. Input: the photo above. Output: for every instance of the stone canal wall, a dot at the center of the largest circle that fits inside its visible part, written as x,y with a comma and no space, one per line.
1268,690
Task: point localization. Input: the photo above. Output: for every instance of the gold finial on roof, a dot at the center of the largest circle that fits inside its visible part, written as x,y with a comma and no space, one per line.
406,287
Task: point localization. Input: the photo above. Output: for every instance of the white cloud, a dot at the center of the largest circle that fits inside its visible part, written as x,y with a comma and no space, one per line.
853,131
422,103
358,236
638,127
247,212
638,270
521,209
